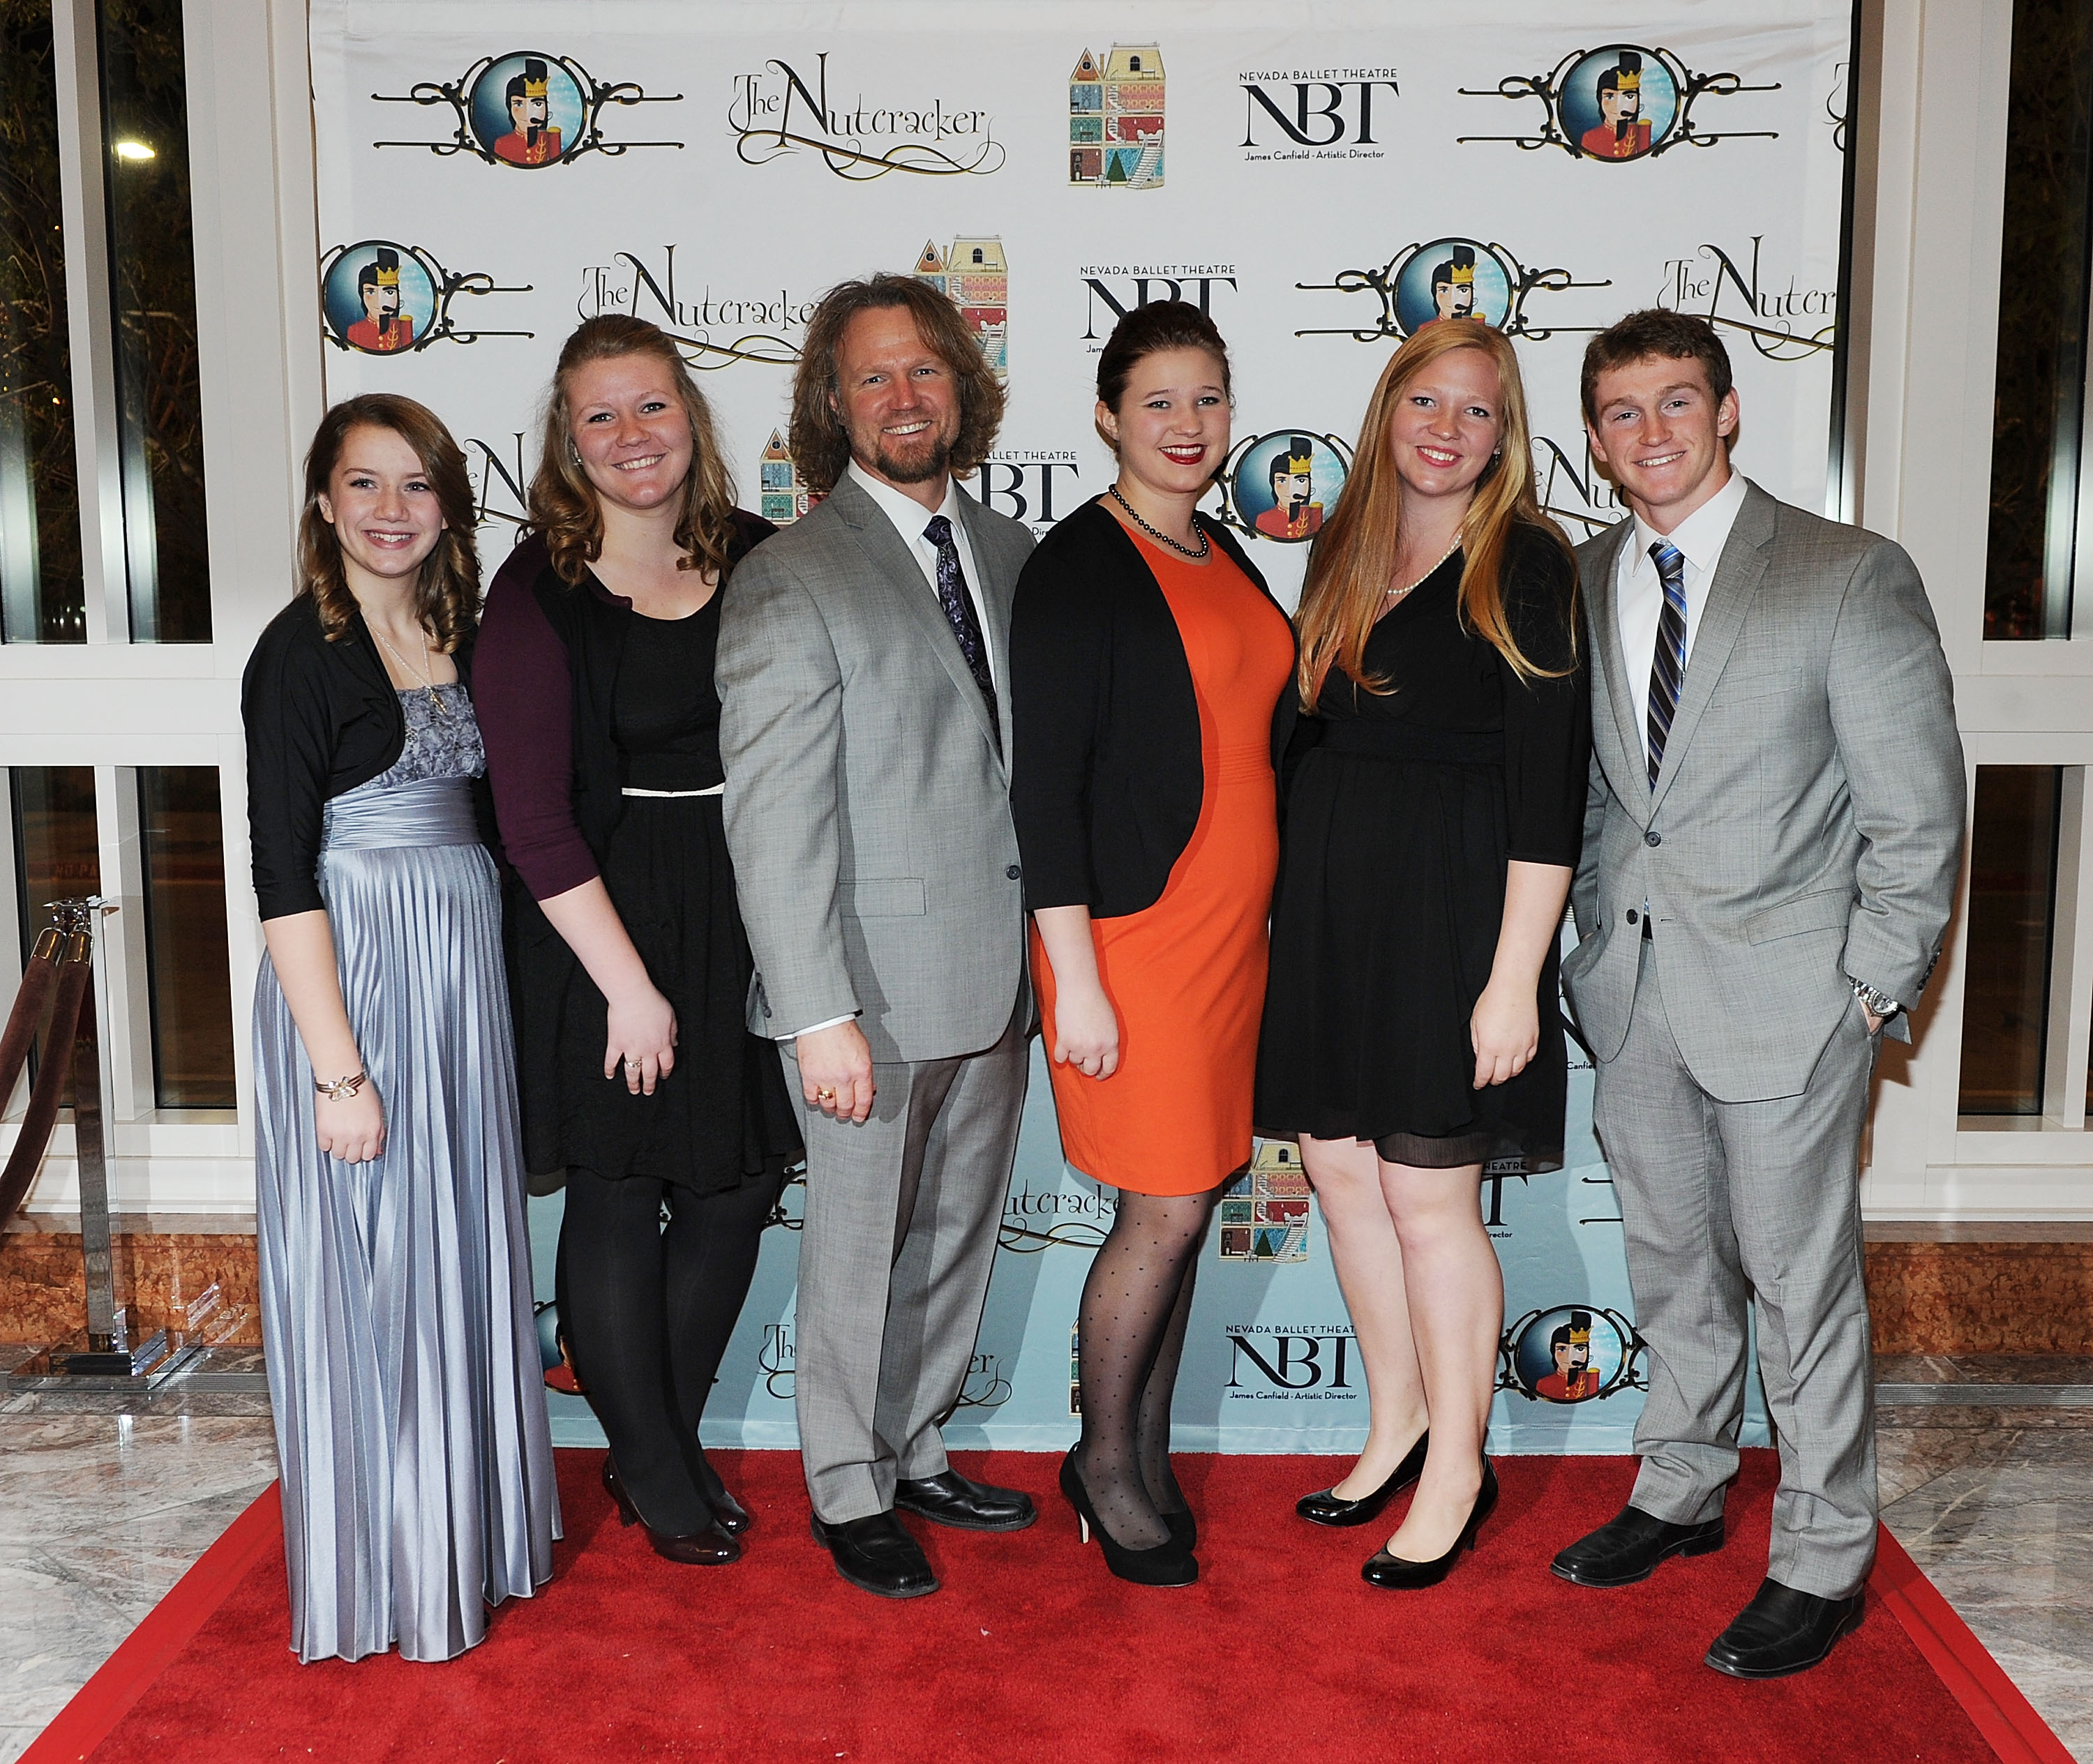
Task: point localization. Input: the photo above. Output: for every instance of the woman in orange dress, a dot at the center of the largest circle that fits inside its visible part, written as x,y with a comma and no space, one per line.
1149,673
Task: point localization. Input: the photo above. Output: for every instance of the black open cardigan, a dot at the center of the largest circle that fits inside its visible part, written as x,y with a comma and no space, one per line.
1106,778
321,717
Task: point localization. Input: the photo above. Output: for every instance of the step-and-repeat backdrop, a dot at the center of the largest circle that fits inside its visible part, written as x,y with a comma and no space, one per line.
1322,179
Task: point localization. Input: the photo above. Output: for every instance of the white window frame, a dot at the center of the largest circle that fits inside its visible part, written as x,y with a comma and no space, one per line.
115,705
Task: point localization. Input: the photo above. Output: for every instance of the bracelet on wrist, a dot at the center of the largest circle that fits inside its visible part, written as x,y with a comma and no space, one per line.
341,1089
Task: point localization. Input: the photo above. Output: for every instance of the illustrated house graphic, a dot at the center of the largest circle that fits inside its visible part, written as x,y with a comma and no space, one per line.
786,496
1115,119
974,276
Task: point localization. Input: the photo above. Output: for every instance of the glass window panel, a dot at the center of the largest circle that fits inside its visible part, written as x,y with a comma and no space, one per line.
2012,893
41,600
151,253
190,987
2039,411
57,854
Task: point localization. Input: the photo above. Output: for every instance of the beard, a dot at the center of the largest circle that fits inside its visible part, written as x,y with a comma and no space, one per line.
1624,129
915,468
386,315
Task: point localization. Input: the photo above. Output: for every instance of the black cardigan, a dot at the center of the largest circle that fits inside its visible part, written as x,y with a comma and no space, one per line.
1106,780
321,719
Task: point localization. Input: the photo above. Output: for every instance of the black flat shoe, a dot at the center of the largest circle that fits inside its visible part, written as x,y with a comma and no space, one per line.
1628,1547
710,1548
1398,1574
1783,1631
949,1498
1168,1563
1326,1507
876,1555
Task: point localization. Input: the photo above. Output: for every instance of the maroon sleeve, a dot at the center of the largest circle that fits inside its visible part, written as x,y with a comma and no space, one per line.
524,695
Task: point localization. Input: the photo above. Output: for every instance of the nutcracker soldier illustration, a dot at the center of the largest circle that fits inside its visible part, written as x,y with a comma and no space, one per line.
1293,516
1622,133
1453,285
384,328
533,141
1574,1378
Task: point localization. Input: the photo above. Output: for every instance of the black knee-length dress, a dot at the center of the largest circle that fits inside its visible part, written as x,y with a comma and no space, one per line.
1399,824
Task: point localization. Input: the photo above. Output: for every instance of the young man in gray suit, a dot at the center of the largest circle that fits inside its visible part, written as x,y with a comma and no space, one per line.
863,657
1771,844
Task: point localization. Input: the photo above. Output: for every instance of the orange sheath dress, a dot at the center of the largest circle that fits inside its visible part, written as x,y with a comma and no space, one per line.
1186,975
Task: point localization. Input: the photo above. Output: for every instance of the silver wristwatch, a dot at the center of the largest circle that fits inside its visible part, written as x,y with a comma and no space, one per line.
1876,1004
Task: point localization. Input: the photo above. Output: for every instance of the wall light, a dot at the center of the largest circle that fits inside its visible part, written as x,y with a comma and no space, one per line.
134,149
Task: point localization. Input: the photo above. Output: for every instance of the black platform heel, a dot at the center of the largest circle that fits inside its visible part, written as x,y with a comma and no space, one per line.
1398,1574
1325,1508
1168,1563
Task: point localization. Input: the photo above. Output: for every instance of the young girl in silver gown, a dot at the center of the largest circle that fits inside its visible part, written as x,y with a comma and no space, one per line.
395,1268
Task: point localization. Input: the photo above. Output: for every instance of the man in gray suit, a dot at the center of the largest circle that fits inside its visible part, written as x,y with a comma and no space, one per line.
1771,851
863,657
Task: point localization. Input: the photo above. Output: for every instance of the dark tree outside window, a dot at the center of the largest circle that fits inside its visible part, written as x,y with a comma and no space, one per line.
42,598
152,254
2038,419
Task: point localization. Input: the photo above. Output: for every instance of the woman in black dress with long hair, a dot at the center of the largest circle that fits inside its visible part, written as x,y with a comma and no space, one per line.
1411,1033
637,1073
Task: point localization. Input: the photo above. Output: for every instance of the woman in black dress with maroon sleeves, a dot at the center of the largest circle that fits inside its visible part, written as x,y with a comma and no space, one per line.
637,1071
1412,1034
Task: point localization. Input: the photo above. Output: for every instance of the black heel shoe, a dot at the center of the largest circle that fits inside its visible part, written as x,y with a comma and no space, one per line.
1400,1575
1183,1529
731,1516
1323,1507
710,1548
1167,1563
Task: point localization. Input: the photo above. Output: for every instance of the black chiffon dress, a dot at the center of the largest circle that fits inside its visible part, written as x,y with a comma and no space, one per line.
1399,824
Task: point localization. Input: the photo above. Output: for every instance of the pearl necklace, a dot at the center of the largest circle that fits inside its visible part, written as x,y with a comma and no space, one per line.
1199,556
1395,595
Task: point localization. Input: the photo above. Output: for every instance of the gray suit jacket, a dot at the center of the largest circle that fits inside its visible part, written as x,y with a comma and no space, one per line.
1807,821
867,811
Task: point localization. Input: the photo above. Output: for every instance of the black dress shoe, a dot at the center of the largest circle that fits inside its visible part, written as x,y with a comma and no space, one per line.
731,1516
1327,1507
876,1554
1168,1563
1783,1631
1628,1547
1399,1574
949,1498
710,1548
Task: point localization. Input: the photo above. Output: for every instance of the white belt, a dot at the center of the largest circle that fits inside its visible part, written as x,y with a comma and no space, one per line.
718,789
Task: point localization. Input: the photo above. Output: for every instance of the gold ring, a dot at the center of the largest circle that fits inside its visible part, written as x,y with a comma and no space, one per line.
825,1095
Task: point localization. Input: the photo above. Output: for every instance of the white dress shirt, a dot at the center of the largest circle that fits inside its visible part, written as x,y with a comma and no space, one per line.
1638,591
909,518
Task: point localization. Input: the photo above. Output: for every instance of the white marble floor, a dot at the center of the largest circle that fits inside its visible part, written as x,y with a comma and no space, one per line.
101,1511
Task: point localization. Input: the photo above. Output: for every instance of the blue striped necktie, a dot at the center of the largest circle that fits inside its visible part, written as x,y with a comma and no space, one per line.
1668,665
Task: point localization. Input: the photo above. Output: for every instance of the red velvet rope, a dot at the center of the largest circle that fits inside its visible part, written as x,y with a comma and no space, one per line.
64,983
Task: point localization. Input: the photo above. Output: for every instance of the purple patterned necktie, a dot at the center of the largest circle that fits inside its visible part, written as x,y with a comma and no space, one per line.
959,613
1668,666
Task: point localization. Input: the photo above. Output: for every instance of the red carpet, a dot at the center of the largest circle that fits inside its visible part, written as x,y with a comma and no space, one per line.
1032,1652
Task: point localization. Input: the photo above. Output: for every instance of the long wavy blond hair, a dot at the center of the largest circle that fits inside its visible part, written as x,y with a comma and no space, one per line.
564,508
1354,556
447,594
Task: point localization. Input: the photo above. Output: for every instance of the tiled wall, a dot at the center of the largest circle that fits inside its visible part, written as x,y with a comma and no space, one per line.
159,1276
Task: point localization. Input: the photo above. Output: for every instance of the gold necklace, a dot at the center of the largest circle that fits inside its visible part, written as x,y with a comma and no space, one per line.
1396,594
426,675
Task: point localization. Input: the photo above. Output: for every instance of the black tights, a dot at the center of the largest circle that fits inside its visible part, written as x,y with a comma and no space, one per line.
1130,1338
647,1309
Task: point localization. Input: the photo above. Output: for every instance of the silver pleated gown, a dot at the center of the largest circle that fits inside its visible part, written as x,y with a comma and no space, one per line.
395,1296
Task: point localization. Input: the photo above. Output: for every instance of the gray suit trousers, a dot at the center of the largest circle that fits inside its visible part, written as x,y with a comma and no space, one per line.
902,1214
1730,1201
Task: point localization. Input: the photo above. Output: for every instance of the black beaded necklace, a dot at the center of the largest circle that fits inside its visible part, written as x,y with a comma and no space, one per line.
1132,514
